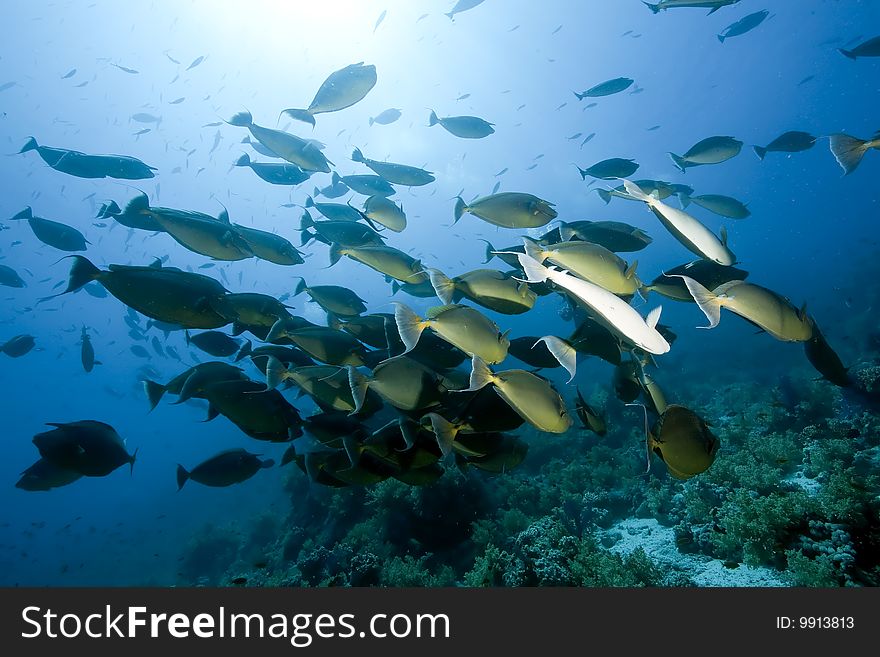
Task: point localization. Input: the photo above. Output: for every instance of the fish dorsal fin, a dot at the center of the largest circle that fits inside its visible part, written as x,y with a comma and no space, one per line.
436,311
631,270
653,317
724,235
156,264
802,313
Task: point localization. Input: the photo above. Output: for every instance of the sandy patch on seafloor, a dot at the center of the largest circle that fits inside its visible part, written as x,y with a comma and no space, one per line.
658,542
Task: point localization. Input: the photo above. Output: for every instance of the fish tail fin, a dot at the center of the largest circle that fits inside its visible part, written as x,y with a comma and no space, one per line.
132,459
300,287
679,162
533,249
579,96
154,392
760,151
110,209
278,331
604,194
721,38
244,351
300,115
848,151
359,385
242,119
357,156
709,302
243,161
27,213
460,208
489,251
275,373
371,121
335,253
30,145
182,476
583,172
563,352
310,202
82,271
535,272
847,53
685,199
653,8
306,221
442,284
481,375
444,432
409,325
635,191
433,120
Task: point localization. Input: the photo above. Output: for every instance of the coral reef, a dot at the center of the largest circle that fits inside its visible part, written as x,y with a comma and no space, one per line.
792,498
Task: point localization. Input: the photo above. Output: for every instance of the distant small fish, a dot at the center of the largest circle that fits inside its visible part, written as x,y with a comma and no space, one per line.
213,125
139,351
172,58
515,27
142,132
590,105
627,33
502,172
69,74
217,138
423,16
561,106
538,157
7,85
653,127
125,69
520,107
556,30
82,84
743,25
143,117
587,139
198,60
806,79
463,97
379,20
576,135
207,265
496,187
177,101
529,168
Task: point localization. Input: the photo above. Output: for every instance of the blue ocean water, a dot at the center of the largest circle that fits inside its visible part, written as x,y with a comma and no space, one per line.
811,235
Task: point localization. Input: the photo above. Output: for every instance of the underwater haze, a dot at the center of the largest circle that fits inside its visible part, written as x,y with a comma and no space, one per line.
670,455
